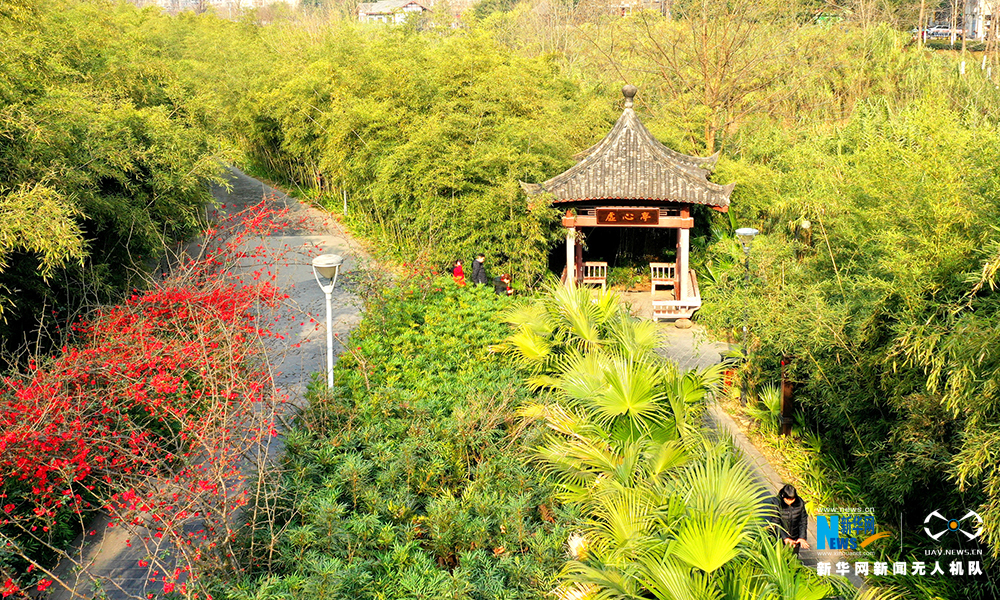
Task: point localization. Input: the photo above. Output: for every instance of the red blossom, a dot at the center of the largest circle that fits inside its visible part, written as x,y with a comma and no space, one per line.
151,407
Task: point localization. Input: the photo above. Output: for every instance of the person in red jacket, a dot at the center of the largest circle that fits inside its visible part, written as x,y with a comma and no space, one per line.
458,274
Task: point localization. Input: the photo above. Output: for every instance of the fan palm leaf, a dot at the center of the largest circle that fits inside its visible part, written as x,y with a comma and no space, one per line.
742,580
722,485
564,420
622,520
630,391
576,462
534,317
639,338
622,394
608,305
669,580
529,347
578,316
666,457
611,582
707,542
542,381
786,578
582,376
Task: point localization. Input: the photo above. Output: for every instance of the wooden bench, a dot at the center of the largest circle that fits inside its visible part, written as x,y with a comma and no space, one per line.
662,274
595,273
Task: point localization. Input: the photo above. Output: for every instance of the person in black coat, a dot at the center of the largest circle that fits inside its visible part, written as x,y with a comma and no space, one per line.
501,285
478,270
791,523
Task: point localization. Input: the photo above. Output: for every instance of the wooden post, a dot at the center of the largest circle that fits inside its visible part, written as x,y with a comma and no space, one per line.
683,247
570,257
787,401
682,264
677,263
579,263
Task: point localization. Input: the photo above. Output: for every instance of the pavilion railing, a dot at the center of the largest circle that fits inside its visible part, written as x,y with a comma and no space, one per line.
679,309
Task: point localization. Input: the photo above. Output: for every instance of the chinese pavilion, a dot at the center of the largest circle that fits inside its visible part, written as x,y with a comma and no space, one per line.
629,179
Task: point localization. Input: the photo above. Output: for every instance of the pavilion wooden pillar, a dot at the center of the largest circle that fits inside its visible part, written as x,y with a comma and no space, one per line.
570,256
677,262
683,249
682,264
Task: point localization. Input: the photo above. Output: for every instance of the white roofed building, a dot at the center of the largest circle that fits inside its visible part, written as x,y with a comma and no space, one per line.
389,11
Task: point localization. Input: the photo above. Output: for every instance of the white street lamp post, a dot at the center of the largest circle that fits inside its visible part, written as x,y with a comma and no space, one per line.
745,235
327,266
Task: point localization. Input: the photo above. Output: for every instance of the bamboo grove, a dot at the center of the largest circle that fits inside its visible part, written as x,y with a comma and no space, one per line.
867,161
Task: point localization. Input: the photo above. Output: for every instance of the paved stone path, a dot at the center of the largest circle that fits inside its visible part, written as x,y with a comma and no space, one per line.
112,567
691,349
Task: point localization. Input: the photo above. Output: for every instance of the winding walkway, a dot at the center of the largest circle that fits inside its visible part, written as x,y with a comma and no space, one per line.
114,569
691,349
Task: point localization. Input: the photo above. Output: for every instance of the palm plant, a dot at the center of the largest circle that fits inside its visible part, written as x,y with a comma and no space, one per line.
692,531
600,361
669,513
572,320
767,409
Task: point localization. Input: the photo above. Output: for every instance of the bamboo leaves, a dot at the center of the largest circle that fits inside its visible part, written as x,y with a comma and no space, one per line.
36,218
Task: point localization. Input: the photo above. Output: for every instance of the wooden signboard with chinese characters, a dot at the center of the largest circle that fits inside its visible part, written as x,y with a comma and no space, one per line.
623,217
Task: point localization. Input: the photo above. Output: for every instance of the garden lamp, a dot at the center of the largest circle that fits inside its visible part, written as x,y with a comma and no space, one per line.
327,266
746,235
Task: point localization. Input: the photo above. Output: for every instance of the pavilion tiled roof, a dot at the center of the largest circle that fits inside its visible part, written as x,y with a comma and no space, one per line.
631,164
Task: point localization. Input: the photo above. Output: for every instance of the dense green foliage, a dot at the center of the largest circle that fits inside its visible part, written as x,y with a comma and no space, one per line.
427,133
411,478
101,161
669,511
886,303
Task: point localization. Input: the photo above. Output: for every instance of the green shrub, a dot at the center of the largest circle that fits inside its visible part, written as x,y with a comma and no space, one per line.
624,277
945,44
766,409
412,477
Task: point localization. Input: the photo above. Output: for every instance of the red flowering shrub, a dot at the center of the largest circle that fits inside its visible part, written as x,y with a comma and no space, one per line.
146,415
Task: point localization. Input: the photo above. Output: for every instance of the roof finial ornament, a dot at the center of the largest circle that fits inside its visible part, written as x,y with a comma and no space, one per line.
629,92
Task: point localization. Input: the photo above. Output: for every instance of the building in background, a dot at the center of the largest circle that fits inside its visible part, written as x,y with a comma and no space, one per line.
389,11
978,17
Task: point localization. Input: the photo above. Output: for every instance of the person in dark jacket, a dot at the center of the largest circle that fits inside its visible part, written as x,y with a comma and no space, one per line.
791,523
478,270
501,285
